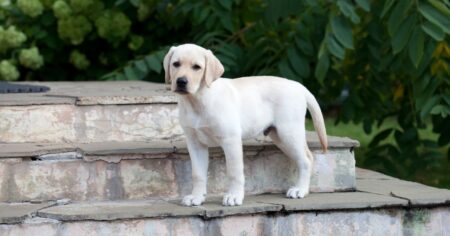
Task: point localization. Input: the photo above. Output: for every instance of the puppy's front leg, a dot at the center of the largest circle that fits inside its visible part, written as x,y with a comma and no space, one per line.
199,162
232,148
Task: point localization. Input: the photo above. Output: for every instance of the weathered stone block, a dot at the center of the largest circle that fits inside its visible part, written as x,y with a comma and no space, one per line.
434,221
70,123
163,175
127,122
46,123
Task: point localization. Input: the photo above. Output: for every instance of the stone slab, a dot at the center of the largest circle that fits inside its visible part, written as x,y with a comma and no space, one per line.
333,201
17,212
212,208
161,175
92,93
29,99
8,150
30,149
118,210
117,148
370,174
399,221
417,194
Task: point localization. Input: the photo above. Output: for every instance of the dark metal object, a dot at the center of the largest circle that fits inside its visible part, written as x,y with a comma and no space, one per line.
6,87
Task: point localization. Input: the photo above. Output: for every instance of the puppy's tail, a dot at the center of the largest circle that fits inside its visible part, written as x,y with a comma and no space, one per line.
317,118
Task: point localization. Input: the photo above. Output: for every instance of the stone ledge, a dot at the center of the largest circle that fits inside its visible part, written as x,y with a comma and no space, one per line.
17,212
392,221
275,203
257,204
83,177
134,147
417,194
92,93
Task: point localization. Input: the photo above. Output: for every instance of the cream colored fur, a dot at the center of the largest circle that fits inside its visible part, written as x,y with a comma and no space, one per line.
215,111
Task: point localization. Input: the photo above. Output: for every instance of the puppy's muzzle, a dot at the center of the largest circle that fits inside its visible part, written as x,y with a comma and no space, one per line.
181,85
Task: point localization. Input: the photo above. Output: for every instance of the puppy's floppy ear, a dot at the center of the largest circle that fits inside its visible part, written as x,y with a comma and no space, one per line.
166,64
213,69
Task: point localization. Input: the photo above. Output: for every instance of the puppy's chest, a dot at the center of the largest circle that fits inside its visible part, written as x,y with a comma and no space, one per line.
203,128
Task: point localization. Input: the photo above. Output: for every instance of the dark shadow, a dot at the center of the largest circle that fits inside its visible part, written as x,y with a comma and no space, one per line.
6,87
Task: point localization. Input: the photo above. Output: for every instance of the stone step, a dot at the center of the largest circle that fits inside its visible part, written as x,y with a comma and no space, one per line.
156,169
402,208
90,112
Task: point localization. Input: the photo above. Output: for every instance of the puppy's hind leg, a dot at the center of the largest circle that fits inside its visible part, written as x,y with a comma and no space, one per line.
292,141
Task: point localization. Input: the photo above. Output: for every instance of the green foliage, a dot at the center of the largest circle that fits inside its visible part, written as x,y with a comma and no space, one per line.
8,71
374,60
31,58
74,29
79,60
113,26
32,8
10,38
62,9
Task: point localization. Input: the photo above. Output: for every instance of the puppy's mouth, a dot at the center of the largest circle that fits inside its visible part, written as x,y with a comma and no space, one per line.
181,91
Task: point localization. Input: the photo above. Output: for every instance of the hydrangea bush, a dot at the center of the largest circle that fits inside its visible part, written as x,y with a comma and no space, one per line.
77,39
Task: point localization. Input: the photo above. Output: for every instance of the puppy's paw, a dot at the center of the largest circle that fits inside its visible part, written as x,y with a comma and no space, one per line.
233,199
295,192
193,200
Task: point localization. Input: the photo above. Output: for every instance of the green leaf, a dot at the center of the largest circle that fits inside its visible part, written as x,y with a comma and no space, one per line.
380,137
435,17
407,136
227,23
119,2
153,63
446,98
305,46
285,70
335,48
348,10
426,109
401,37
434,31
364,4
141,66
397,16
387,6
226,4
342,31
322,67
416,45
437,109
130,73
298,63
135,3
120,76
367,126
440,7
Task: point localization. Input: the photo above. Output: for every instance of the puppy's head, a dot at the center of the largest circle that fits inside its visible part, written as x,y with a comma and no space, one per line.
188,67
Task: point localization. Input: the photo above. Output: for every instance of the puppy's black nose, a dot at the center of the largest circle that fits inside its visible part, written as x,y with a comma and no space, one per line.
181,82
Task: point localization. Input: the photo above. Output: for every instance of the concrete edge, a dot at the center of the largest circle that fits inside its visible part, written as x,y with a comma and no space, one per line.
9,150
21,211
259,204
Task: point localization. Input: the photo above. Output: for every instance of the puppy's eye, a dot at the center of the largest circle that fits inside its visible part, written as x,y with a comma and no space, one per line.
176,64
196,67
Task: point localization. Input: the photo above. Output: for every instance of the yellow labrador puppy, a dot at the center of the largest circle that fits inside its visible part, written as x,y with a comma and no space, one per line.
215,111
